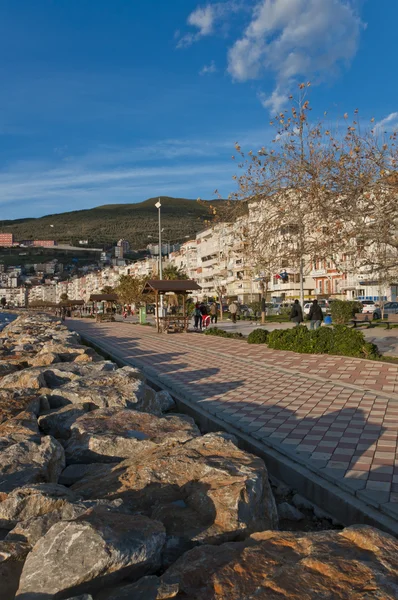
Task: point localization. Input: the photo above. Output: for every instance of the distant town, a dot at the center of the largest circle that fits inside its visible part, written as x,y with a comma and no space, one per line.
216,258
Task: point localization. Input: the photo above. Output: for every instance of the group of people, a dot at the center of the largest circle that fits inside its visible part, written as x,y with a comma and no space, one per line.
203,315
315,316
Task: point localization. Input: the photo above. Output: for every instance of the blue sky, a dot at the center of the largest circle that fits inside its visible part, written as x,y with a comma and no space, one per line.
109,101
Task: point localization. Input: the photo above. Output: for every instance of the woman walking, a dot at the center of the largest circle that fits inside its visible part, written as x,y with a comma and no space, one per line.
197,316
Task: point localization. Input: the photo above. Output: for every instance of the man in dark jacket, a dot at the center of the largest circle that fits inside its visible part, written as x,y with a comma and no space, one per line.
296,314
315,315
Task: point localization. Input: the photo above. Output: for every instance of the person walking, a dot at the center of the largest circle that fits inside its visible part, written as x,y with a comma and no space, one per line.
233,309
296,314
315,315
213,313
197,316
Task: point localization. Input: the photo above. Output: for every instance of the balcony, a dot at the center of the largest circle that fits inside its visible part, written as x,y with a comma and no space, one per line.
318,273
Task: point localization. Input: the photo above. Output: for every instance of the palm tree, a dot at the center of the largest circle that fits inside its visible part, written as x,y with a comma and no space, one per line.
172,273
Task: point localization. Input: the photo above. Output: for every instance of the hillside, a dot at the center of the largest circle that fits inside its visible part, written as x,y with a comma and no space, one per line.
107,224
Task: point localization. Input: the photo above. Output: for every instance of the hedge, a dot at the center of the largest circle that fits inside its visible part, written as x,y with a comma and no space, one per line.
222,333
257,336
339,340
343,311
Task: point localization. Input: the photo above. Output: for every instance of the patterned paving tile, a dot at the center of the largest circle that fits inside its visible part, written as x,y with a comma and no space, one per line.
340,415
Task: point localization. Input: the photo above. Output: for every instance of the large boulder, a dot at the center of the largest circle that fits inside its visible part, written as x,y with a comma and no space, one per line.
147,588
96,549
357,563
65,353
27,378
206,490
74,473
21,428
122,388
111,434
12,402
28,462
165,400
52,377
7,367
12,558
32,501
58,422
32,510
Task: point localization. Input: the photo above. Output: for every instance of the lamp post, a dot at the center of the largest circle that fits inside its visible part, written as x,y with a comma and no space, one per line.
158,206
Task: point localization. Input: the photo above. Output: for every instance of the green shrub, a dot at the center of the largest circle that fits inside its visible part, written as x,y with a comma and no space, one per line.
339,340
343,311
222,333
258,336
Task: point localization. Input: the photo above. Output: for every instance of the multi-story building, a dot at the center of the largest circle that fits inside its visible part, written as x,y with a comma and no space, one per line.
15,296
44,243
43,293
124,245
6,239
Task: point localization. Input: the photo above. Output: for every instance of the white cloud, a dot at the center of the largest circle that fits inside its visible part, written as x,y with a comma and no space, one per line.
205,18
295,39
274,102
389,123
208,69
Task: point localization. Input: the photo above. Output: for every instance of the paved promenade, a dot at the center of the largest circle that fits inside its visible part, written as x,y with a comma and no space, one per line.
336,416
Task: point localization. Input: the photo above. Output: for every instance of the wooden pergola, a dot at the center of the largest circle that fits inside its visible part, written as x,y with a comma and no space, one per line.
106,299
179,286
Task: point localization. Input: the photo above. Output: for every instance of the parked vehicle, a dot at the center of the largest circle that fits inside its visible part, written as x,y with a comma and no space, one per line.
324,304
369,307
390,308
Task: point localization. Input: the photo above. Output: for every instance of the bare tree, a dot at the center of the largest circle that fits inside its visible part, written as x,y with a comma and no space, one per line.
319,192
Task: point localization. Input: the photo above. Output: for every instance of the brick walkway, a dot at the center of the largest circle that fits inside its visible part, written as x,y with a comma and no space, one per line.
337,416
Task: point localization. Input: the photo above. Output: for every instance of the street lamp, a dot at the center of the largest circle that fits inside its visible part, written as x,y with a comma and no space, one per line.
158,206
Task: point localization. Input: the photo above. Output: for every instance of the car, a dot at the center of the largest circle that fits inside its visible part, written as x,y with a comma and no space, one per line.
390,308
369,306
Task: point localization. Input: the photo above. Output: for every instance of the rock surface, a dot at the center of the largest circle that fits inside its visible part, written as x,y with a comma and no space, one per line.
287,511
28,462
165,400
74,473
12,402
23,427
96,549
147,588
58,422
358,563
205,490
121,388
32,501
110,434
12,558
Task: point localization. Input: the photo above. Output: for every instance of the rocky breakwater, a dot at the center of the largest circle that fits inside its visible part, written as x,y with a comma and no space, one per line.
107,493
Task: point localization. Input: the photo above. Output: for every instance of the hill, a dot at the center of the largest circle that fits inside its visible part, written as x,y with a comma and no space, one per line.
105,225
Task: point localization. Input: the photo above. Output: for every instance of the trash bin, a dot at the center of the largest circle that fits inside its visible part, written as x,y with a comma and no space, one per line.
142,315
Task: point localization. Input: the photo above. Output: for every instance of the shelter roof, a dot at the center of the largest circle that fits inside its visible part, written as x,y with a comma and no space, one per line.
178,286
103,298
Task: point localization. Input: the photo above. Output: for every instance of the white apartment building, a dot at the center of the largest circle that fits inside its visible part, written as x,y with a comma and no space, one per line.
15,296
43,293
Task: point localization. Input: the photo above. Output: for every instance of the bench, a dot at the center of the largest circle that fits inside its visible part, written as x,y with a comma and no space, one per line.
175,324
362,319
104,318
391,320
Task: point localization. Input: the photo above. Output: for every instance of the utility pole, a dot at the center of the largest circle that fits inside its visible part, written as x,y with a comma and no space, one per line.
158,206
302,282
